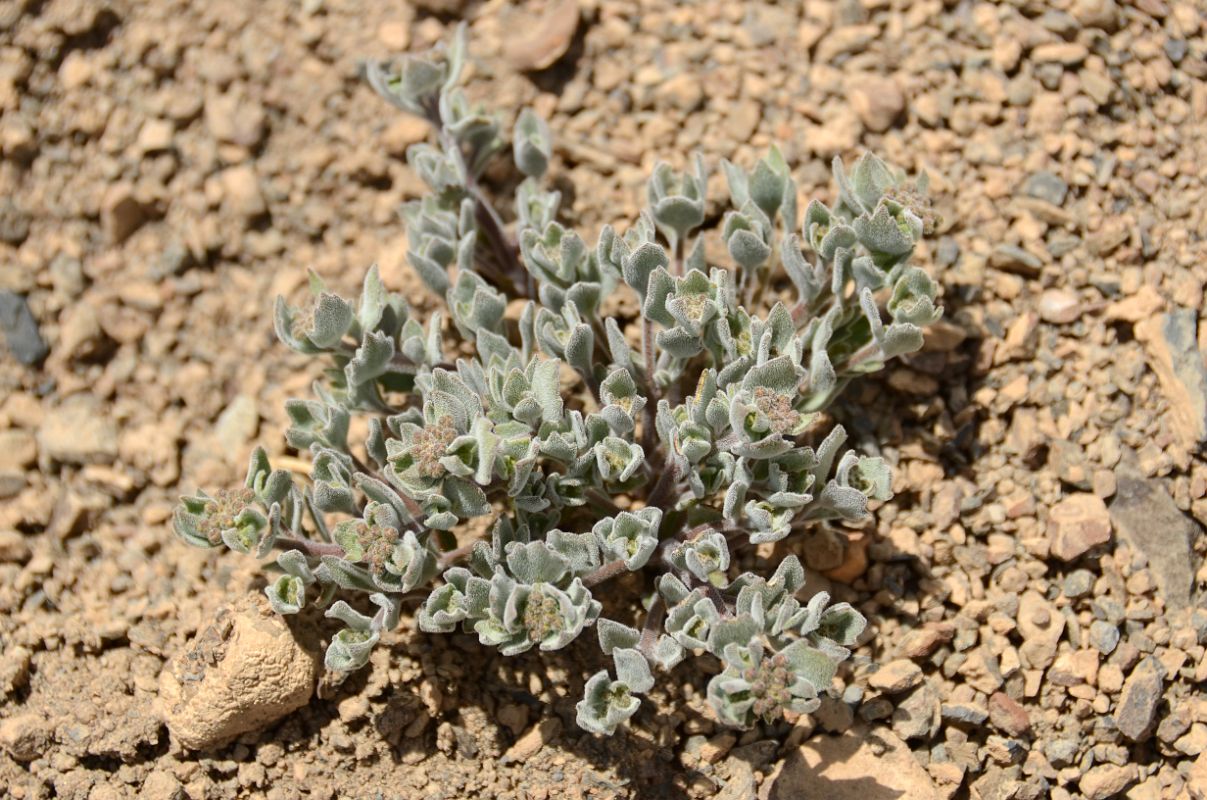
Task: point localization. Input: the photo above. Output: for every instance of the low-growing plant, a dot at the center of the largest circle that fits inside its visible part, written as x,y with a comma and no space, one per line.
602,446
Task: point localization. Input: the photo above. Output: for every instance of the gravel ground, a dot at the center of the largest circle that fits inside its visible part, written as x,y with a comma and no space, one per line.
1033,589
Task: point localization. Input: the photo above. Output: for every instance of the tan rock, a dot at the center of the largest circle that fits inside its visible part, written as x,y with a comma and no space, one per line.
155,136
533,740
25,736
241,192
896,676
1196,781
404,132
1060,306
683,91
1076,524
878,101
242,673
80,334
1067,53
537,46
78,432
395,35
1170,341
1106,780
1008,716
1041,626
18,449
13,548
858,765
1102,14
121,213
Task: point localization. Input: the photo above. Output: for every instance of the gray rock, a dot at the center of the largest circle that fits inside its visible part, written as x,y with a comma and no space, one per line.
67,275
997,783
14,223
1061,752
917,716
1104,636
1060,23
876,708
964,713
1137,710
1046,186
948,251
1175,49
1069,462
834,715
1078,583
21,329
1148,520
1012,258
237,423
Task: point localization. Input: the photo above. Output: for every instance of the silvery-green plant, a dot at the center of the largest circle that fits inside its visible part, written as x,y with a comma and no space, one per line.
601,447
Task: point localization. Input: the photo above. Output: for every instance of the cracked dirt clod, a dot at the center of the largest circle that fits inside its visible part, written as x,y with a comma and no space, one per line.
242,673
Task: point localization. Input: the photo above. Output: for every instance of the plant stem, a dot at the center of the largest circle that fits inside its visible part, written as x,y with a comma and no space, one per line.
308,546
452,556
489,221
649,630
411,506
597,498
648,431
605,573
666,480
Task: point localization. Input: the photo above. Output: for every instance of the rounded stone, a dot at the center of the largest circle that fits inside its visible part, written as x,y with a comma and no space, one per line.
242,673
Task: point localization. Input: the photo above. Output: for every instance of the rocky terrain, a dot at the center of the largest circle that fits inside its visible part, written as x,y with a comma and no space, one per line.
1033,590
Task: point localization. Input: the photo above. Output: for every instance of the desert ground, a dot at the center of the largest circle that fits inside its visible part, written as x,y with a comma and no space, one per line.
1036,622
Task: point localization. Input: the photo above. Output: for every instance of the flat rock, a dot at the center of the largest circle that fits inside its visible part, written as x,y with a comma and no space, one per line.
1008,716
533,740
896,676
1148,520
1046,186
1106,780
1171,343
21,333
1077,524
1012,258
862,764
242,673
917,716
1136,713
78,432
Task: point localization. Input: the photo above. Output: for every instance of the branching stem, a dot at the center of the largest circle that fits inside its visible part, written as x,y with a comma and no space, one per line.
605,573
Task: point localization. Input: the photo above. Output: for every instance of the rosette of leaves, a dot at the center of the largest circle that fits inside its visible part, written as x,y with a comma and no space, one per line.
663,443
